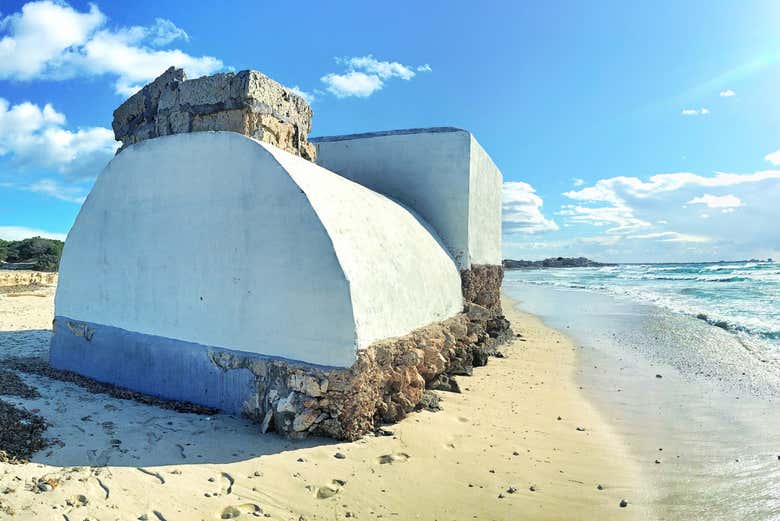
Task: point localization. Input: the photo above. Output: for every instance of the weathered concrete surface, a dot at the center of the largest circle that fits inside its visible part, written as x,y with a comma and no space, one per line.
247,102
217,239
441,173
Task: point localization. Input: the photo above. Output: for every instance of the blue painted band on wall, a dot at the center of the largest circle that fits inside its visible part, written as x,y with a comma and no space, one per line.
154,365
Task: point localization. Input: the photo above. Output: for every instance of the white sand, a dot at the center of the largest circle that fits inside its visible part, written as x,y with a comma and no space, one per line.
117,459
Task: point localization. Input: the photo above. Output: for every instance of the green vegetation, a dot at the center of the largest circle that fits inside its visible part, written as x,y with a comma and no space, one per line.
42,254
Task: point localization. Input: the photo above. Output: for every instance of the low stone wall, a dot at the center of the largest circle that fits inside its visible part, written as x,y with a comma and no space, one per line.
386,383
27,278
481,285
246,102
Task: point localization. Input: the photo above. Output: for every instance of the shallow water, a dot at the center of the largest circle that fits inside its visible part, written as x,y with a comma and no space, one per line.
681,392
742,297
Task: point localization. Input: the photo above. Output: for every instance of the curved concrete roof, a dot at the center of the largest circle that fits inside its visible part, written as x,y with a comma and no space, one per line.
221,240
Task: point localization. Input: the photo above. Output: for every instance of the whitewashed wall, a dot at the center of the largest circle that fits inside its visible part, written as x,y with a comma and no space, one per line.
218,239
442,173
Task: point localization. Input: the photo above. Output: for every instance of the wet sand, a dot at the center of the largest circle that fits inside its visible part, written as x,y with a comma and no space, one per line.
498,451
698,411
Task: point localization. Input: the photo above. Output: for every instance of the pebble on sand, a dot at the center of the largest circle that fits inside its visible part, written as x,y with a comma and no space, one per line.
623,503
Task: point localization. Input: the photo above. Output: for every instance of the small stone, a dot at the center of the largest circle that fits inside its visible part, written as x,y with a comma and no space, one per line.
511,490
515,453
559,418
326,492
300,460
501,496
623,503
658,376
532,488
600,487
581,429
657,462
340,455
45,487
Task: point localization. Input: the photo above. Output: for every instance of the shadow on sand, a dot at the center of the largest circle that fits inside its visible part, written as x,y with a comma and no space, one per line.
97,429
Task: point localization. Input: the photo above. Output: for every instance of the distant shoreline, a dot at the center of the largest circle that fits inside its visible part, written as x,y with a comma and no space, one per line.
582,262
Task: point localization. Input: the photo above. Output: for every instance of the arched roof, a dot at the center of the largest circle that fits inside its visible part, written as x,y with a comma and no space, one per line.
218,239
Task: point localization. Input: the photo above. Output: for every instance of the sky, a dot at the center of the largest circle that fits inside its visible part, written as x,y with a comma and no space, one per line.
625,131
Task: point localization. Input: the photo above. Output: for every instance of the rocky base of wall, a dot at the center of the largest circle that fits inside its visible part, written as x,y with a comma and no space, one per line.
387,382
246,102
482,285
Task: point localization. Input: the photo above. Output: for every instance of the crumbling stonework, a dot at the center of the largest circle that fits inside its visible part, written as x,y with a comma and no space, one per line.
481,285
386,383
246,102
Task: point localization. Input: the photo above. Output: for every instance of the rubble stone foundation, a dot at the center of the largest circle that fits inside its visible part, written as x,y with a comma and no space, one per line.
385,384
482,285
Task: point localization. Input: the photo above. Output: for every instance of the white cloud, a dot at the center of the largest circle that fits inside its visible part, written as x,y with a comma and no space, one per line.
51,40
620,215
522,210
773,158
32,136
612,189
308,96
695,112
358,84
727,93
717,201
383,69
53,188
17,233
678,216
672,237
164,32
366,75
577,181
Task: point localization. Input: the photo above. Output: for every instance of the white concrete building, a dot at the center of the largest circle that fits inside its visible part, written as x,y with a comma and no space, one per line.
442,173
229,271
217,240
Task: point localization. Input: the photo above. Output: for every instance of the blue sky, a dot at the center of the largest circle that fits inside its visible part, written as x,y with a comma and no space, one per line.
626,131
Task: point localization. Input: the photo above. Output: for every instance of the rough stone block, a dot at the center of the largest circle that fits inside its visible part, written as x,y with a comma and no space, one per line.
246,102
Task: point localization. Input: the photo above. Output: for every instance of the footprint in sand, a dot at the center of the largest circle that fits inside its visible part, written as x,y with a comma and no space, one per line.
153,474
236,511
76,501
389,459
326,491
228,482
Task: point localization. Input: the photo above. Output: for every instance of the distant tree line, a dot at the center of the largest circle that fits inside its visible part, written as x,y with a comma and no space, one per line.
42,254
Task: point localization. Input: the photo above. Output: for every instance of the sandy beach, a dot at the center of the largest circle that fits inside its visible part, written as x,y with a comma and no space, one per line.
696,408
520,442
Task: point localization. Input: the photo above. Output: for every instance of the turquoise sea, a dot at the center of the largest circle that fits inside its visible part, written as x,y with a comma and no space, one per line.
741,297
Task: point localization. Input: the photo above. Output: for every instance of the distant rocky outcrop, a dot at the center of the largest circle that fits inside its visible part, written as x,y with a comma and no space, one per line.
553,262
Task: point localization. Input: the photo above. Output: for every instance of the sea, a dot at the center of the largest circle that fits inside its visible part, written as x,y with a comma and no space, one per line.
740,297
